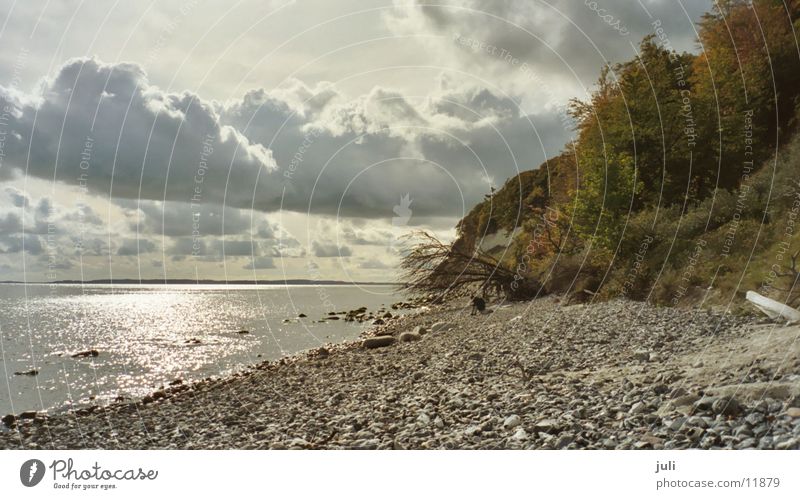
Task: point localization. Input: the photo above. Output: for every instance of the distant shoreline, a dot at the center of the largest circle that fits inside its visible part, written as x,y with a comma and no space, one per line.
293,282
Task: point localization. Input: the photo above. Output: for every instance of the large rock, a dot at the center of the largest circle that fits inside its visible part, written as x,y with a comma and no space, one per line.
86,353
378,341
9,420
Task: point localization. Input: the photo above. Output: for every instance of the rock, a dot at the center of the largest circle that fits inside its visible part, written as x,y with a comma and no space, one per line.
472,430
654,357
641,355
423,419
747,443
298,443
512,421
192,341
660,389
377,341
378,322
9,420
755,418
440,326
793,412
791,443
32,372
638,408
86,353
410,336
243,331
27,415
301,316
546,426
727,406
678,392
520,434
704,404
420,330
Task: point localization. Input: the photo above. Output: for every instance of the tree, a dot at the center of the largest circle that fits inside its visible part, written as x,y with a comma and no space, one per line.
432,266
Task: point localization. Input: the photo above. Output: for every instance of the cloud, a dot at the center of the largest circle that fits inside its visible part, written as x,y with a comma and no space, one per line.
374,264
17,243
106,127
18,198
260,263
135,247
298,148
567,40
329,250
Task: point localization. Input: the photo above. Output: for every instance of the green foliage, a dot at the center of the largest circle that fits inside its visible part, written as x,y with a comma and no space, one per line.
671,191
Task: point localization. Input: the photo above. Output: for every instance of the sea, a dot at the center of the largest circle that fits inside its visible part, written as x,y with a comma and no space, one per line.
147,336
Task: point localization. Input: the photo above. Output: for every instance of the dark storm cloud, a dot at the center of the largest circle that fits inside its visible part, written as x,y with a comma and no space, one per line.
135,247
304,149
104,126
566,37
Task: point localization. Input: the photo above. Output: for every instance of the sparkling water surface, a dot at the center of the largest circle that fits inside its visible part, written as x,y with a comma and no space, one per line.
147,335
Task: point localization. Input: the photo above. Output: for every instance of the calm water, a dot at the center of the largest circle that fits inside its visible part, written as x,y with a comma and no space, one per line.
143,335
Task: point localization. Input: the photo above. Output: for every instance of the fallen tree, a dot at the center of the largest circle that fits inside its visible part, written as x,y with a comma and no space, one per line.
431,266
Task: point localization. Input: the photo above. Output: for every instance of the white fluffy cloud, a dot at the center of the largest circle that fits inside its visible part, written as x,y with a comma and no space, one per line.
299,148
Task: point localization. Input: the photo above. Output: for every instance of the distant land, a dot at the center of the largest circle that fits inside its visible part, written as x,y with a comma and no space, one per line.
293,282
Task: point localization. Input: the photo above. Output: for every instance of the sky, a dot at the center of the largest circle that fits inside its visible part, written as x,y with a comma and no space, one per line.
263,140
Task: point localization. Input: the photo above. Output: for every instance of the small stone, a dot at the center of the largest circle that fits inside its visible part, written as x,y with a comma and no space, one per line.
546,426
298,443
409,336
747,443
423,419
243,331
437,422
472,430
378,341
755,418
660,389
641,355
791,443
793,412
512,421
638,408
440,326
520,434
678,392
420,330
727,406
704,404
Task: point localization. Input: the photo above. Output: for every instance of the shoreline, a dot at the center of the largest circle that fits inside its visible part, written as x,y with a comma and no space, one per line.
531,375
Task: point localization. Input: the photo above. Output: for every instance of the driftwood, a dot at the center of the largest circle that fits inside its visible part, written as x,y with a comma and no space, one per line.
772,308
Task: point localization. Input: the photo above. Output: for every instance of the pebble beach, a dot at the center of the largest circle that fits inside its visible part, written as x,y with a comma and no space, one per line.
534,375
